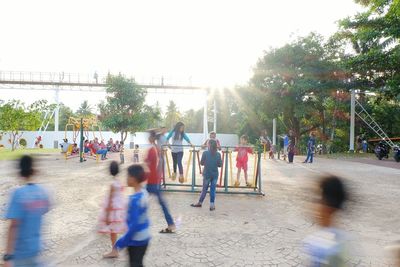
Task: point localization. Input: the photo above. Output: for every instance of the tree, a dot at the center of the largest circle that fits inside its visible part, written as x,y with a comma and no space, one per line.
85,110
172,116
124,110
193,120
65,113
292,81
15,117
374,36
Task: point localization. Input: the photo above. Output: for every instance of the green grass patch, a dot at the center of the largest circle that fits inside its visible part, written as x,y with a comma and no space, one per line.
7,154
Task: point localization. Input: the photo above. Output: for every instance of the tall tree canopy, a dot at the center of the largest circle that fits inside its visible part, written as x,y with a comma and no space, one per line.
125,110
292,81
374,36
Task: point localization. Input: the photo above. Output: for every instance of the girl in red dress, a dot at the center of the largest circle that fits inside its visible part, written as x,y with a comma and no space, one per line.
242,158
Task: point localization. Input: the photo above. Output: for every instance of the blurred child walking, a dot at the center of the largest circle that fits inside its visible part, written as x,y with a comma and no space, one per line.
27,206
154,180
211,160
327,247
137,238
112,217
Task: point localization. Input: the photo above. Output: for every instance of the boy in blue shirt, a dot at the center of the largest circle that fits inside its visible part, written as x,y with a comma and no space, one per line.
27,206
138,236
328,246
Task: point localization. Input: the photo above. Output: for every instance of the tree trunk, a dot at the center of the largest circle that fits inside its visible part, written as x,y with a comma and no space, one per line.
12,138
124,135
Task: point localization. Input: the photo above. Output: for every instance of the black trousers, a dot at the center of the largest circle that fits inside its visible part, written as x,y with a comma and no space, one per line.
136,255
291,156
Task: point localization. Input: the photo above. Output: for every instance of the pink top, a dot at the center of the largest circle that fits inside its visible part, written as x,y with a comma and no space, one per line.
242,153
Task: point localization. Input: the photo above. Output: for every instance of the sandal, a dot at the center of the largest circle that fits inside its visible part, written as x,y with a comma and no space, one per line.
197,205
166,231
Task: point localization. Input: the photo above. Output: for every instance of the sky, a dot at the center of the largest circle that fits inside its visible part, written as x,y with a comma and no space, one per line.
213,43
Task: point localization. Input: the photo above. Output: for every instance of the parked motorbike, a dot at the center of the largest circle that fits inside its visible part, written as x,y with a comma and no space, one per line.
396,154
382,150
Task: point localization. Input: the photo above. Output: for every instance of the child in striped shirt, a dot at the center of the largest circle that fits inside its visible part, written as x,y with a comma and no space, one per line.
138,236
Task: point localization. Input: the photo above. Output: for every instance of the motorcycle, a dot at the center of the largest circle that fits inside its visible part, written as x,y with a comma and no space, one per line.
382,151
396,154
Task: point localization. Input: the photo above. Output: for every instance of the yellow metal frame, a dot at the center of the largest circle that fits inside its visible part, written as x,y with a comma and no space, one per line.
89,124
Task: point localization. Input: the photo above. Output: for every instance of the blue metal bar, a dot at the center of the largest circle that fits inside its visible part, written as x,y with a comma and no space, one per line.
226,171
193,168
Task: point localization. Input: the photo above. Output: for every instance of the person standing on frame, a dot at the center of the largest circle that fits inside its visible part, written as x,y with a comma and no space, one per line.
291,146
178,135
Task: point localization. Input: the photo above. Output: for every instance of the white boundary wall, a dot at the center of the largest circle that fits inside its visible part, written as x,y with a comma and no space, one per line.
53,139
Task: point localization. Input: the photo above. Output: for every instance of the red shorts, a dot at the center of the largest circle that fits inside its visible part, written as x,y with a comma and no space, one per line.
241,165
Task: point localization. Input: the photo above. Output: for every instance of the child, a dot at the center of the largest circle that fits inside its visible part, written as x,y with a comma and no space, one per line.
310,148
138,236
213,136
327,246
211,160
75,149
154,180
136,154
112,218
27,206
117,146
121,153
242,158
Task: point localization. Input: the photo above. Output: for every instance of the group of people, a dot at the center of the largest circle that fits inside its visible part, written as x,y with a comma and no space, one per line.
129,218
28,204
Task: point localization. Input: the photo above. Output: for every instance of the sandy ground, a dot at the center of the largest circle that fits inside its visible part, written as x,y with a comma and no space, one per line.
243,231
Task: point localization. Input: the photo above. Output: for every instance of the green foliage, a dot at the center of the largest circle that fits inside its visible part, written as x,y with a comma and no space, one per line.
124,110
85,110
15,117
374,36
22,142
172,116
292,82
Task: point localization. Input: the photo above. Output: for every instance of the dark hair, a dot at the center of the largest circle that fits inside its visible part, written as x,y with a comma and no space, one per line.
26,166
136,146
121,143
136,171
114,168
213,146
178,134
245,137
333,191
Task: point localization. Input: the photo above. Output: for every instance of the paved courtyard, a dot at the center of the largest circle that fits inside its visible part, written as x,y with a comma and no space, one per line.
243,231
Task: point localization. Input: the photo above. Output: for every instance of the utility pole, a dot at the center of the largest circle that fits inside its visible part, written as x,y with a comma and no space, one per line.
205,116
352,119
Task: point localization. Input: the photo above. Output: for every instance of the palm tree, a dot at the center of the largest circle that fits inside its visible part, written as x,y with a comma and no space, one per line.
85,110
172,116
